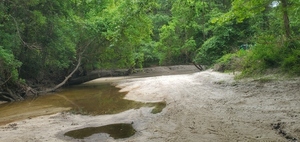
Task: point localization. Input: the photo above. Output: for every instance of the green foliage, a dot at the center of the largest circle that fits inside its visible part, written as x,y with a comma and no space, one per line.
39,17
260,58
61,51
211,50
150,55
291,62
272,54
169,45
158,21
225,37
266,26
232,61
179,38
9,66
127,28
43,39
242,10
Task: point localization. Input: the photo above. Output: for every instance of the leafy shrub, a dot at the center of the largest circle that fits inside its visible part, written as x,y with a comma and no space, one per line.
151,57
231,61
211,50
261,58
9,66
275,54
291,63
268,54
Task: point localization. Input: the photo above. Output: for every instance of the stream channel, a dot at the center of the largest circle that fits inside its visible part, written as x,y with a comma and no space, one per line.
85,99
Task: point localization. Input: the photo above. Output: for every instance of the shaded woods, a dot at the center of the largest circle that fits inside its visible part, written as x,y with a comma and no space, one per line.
45,43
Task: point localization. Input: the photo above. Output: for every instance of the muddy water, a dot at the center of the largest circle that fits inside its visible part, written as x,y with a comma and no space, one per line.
91,99
116,131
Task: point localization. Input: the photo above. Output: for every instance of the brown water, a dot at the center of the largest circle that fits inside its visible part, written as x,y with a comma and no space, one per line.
116,131
92,99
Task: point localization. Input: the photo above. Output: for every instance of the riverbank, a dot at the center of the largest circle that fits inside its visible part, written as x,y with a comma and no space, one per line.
201,106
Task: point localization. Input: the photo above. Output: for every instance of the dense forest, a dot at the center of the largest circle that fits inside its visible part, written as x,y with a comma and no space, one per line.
48,41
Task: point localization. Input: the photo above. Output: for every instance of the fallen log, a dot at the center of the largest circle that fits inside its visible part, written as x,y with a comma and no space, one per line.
198,66
98,74
65,80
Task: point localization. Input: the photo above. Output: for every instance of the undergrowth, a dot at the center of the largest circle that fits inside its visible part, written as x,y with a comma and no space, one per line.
231,62
268,55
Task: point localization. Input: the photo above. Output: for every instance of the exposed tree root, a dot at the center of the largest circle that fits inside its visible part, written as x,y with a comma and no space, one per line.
6,96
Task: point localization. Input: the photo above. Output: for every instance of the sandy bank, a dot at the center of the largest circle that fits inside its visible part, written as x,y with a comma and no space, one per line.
203,106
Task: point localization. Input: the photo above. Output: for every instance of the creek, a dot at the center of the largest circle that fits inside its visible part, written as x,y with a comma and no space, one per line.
86,99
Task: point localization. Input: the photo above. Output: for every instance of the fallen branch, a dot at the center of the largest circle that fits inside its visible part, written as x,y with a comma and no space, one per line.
11,96
198,66
6,80
70,75
65,80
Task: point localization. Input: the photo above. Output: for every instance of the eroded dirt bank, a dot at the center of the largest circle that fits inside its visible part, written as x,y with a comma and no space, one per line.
204,106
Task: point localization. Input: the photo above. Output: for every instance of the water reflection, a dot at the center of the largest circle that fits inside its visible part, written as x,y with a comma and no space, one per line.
116,131
92,99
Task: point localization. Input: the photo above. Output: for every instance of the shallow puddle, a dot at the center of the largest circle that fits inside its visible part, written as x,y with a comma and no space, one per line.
116,131
91,99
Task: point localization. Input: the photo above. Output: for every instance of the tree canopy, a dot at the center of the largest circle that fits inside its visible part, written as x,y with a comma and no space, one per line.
42,40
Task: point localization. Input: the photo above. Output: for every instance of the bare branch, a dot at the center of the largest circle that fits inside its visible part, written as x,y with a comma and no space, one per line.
75,69
19,35
65,80
6,80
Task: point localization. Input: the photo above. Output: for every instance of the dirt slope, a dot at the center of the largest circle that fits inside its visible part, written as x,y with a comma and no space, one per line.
204,106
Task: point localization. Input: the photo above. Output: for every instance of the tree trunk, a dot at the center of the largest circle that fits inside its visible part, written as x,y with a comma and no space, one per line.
198,66
286,21
203,22
82,50
65,80
98,74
